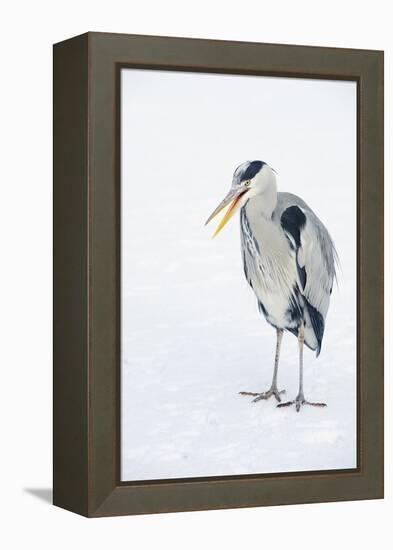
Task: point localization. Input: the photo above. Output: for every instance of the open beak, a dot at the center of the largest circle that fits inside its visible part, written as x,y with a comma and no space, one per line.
233,198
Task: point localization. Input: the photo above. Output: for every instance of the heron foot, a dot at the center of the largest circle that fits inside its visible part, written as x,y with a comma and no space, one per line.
264,395
299,402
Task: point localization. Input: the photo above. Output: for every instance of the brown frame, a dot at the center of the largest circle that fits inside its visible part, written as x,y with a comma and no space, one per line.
86,274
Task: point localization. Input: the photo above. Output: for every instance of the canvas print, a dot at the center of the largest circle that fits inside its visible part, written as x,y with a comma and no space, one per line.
238,352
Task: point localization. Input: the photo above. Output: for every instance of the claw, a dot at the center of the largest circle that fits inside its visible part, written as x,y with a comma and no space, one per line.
299,402
264,395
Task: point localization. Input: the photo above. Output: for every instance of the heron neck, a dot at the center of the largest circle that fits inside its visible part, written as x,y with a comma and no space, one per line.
264,203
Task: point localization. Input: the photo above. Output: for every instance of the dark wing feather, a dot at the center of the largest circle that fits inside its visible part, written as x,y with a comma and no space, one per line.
314,256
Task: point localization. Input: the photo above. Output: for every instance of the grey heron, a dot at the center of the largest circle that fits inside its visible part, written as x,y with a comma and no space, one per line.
289,261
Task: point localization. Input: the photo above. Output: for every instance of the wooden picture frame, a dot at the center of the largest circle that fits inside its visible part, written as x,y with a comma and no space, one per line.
86,274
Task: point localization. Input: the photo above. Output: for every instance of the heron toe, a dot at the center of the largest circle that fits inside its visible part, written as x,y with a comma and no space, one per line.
264,395
299,402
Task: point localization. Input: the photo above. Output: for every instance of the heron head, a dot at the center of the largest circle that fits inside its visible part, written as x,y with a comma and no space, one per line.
249,179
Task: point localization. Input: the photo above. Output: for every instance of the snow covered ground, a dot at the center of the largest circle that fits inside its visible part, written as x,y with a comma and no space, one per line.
192,337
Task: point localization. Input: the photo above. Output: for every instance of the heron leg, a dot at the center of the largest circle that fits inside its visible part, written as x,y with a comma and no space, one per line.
300,399
273,391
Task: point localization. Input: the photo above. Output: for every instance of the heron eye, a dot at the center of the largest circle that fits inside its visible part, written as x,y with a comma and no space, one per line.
247,183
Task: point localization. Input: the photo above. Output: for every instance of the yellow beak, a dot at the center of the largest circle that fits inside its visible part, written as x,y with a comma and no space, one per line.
233,198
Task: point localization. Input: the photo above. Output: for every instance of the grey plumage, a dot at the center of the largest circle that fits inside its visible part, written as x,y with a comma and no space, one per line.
289,261
306,286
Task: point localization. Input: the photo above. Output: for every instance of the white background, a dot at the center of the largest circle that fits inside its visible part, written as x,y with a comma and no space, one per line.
192,336
28,29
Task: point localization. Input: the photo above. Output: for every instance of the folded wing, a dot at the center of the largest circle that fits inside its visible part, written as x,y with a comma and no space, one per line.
315,261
